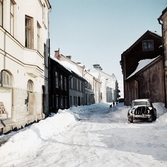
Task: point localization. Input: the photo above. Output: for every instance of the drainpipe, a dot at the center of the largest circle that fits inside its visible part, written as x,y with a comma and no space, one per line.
5,49
163,55
49,69
4,58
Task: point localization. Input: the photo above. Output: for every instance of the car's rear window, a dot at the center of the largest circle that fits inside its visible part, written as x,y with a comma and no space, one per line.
137,103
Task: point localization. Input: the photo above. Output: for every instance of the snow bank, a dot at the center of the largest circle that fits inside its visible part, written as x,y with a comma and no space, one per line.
119,113
161,112
36,133
44,130
84,112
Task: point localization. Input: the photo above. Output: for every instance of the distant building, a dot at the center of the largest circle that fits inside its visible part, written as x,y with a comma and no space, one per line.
92,88
109,84
84,88
121,88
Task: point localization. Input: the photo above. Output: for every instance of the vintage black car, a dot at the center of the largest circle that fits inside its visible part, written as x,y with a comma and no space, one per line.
142,109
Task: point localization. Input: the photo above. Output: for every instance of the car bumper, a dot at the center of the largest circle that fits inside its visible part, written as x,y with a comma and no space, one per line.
143,116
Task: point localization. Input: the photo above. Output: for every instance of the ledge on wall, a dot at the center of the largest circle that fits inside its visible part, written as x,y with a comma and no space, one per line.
33,71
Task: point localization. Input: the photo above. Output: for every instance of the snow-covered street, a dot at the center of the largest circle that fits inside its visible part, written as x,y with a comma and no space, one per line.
88,136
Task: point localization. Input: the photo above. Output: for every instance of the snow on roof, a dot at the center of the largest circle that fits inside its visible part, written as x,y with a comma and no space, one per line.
142,64
70,67
136,100
94,73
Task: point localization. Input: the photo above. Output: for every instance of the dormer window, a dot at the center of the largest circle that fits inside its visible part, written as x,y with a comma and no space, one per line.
148,45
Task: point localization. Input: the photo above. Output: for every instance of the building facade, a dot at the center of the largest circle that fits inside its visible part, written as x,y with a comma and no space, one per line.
92,88
109,84
84,88
59,96
148,82
76,80
163,22
23,47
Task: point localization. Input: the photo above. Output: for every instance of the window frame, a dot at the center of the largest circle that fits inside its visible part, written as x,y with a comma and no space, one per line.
1,12
29,32
65,83
38,36
44,13
30,86
61,81
57,101
12,3
6,80
148,45
56,79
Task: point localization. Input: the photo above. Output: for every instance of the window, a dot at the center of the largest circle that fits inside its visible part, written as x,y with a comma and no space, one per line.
70,101
148,45
30,97
71,83
75,84
65,100
45,57
38,37
28,32
56,80
53,101
74,100
44,13
61,82
1,12
65,83
57,101
12,3
82,87
78,85
61,102
30,86
6,79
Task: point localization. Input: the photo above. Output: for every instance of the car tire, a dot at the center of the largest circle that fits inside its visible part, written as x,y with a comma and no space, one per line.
131,120
155,115
150,119
154,118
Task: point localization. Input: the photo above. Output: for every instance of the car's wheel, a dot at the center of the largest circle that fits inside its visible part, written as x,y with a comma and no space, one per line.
154,116
150,119
131,120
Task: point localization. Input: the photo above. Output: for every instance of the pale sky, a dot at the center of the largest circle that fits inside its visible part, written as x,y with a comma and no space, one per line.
99,31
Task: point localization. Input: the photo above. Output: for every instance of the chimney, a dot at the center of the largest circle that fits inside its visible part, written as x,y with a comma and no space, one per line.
97,66
57,54
69,57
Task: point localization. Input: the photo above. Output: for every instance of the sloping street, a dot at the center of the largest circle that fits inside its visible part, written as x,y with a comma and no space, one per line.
89,136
